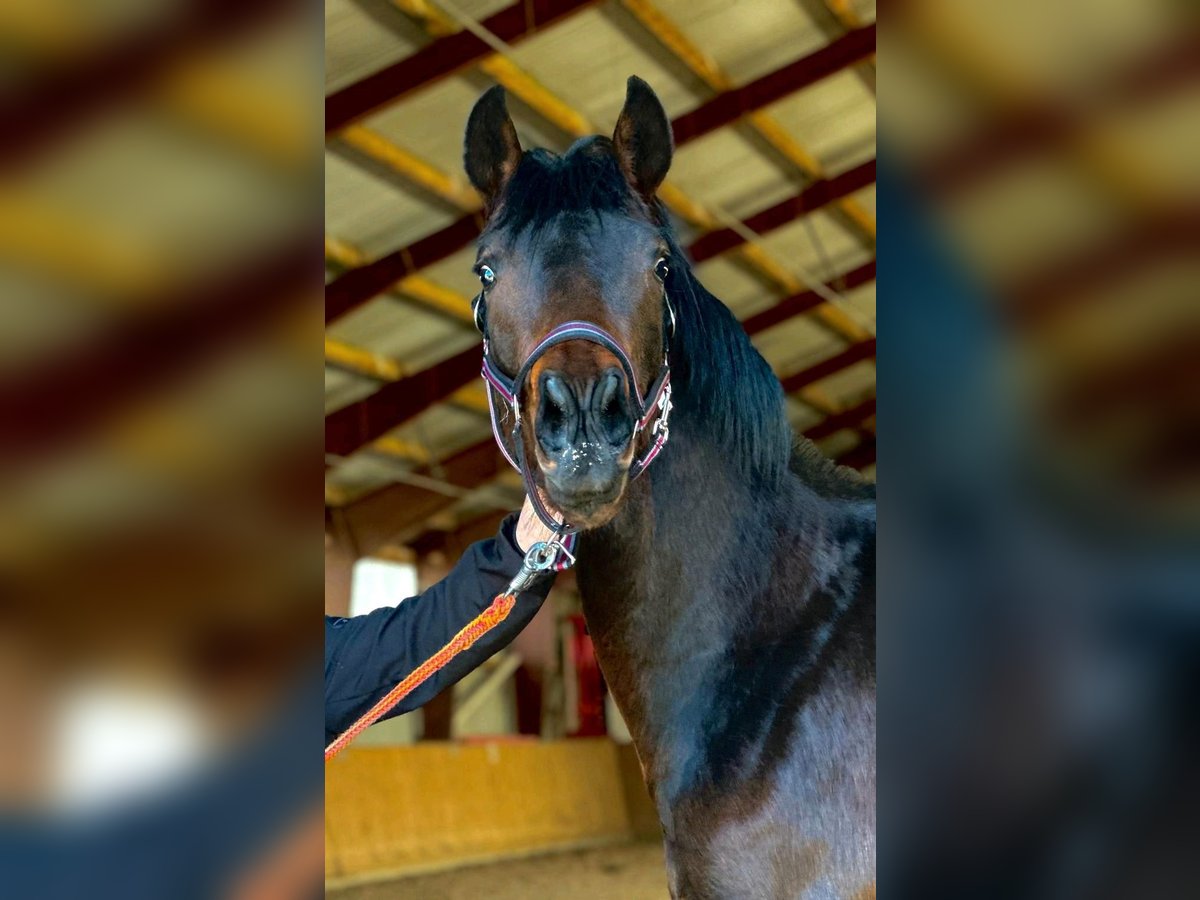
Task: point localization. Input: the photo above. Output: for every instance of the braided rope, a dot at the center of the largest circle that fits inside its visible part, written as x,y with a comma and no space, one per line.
496,613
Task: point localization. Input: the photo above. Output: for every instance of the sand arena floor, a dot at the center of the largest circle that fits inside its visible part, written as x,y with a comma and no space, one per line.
622,872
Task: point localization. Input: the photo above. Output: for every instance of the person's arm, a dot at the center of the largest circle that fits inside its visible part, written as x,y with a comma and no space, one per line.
365,656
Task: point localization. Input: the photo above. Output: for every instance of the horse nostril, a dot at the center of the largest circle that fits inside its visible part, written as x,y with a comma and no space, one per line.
608,394
558,393
558,413
610,408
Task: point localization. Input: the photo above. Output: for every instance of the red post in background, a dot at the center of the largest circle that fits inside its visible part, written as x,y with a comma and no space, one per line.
590,681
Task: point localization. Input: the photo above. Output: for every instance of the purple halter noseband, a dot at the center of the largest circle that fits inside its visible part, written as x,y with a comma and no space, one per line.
655,407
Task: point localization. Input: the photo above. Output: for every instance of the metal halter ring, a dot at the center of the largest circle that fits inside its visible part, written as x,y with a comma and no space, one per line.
477,313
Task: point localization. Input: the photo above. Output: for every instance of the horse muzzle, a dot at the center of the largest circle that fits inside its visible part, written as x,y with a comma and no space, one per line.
584,426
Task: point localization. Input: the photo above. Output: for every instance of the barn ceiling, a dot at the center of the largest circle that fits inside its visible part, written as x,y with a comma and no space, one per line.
772,188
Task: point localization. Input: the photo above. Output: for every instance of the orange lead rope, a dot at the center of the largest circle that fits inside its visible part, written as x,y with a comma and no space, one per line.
476,628
540,558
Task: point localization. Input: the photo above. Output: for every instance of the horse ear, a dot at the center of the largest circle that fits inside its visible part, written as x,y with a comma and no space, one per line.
491,150
643,138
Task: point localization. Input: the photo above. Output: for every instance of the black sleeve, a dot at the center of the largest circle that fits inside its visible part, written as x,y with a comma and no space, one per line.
365,656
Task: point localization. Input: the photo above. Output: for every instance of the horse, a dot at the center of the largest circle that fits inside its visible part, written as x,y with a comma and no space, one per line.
730,590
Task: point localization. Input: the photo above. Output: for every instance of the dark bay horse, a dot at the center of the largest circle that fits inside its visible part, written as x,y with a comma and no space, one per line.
730,591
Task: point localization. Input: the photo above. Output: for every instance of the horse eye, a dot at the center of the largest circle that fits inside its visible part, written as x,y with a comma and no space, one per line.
661,268
486,276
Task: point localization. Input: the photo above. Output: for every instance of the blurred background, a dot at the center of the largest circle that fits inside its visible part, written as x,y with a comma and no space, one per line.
1039,564
772,190
159,576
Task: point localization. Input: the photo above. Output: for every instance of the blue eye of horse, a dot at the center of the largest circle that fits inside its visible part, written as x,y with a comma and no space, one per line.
486,276
662,268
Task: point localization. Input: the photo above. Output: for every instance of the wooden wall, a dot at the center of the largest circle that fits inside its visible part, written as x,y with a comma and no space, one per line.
396,810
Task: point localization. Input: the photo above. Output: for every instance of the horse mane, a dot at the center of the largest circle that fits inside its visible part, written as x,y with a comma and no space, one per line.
721,378
721,375
826,477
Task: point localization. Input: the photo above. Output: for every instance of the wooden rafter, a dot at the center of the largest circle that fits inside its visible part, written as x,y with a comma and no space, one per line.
355,287
846,18
849,418
355,425
373,145
383,515
453,543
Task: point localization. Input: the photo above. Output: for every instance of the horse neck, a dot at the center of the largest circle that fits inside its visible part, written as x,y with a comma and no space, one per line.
669,582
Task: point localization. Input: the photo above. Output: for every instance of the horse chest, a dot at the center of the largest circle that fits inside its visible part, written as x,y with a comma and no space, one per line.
804,828
758,751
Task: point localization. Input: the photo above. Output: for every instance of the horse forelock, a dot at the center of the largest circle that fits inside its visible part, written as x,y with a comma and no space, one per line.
587,178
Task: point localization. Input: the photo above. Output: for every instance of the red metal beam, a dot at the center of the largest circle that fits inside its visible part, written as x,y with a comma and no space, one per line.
813,197
847,419
1070,282
805,300
57,398
1158,381
731,105
859,457
826,367
355,287
359,423
1047,125
54,101
440,58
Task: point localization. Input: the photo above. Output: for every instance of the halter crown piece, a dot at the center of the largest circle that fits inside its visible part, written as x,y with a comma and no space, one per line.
654,410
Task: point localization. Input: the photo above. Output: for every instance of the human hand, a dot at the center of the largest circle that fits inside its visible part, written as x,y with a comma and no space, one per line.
530,528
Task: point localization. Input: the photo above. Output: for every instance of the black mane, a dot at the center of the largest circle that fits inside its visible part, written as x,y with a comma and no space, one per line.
721,376
721,379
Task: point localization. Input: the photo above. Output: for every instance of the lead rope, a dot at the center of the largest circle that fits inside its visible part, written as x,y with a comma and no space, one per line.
542,556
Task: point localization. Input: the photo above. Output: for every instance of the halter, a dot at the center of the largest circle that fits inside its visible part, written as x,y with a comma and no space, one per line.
654,408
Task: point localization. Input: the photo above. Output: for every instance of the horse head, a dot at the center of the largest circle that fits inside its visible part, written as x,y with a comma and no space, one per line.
576,238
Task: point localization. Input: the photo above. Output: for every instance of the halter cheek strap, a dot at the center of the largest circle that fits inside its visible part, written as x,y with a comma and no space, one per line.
654,408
